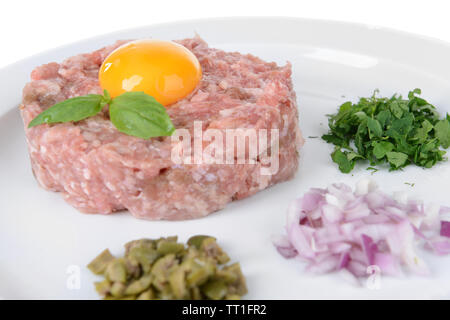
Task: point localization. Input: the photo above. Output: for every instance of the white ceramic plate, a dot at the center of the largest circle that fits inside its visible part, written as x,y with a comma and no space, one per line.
44,242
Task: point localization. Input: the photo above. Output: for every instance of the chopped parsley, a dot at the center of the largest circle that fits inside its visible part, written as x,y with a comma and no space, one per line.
394,130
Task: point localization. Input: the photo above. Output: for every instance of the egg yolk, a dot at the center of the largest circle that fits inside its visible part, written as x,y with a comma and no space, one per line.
163,69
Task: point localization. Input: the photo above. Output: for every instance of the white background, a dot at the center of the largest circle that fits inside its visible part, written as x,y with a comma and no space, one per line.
28,27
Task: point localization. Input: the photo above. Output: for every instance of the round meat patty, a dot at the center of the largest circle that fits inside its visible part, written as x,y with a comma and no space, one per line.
101,170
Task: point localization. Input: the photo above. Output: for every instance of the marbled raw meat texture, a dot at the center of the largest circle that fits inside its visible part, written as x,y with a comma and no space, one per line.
100,170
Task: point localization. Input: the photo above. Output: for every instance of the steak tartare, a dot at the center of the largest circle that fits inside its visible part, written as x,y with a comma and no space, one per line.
101,170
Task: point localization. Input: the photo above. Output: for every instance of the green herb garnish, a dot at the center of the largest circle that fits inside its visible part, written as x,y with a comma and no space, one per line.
393,130
374,170
134,113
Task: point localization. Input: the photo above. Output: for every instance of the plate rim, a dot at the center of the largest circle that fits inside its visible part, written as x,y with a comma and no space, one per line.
358,25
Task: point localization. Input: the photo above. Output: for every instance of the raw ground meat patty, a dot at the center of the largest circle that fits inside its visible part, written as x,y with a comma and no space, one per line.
100,170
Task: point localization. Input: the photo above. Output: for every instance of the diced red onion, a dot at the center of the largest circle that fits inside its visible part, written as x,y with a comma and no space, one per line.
332,213
388,264
440,245
445,229
311,201
284,247
357,268
341,229
344,260
370,248
325,265
301,239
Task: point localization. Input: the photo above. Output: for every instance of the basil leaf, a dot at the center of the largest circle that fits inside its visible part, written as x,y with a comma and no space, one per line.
140,115
106,99
74,109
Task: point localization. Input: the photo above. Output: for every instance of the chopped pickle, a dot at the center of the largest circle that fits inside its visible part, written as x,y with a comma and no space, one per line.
236,280
143,256
133,267
211,249
146,295
196,241
141,243
165,247
166,269
137,286
116,271
196,294
201,271
177,283
171,238
165,295
117,289
99,264
215,289
162,269
103,287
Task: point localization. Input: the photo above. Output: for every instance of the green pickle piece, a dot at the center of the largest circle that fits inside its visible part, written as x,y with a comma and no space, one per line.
99,264
166,269
116,271
146,295
196,241
103,287
166,247
141,243
201,270
162,269
143,256
133,268
177,281
215,289
196,293
117,289
137,286
211,249
238,286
